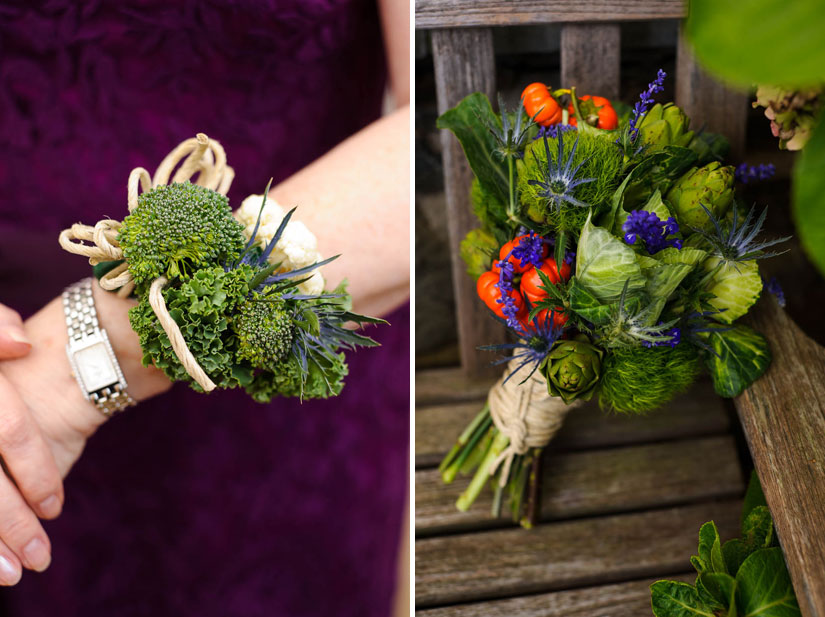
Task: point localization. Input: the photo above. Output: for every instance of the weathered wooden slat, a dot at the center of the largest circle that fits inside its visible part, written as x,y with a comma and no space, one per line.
783,417
464,13
709,103
590,58
602,550
464,63
450,385
631,599
596,482
696,413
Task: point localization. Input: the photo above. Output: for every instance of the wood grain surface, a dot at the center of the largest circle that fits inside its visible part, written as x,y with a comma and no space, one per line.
631,599
590,56
596,482
449,385
783,416
698,412
502,563
464,13
464,63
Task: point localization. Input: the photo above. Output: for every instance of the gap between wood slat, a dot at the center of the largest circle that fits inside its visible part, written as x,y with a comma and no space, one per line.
596,482
504,563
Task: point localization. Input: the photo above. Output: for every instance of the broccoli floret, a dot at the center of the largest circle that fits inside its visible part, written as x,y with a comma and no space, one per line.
177,228
265,330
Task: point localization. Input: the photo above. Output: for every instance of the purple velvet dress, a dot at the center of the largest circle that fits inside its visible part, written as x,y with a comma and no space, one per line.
192,504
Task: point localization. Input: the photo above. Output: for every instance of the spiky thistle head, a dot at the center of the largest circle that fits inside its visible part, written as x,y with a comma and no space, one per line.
511,136
636,325
558,179
736,242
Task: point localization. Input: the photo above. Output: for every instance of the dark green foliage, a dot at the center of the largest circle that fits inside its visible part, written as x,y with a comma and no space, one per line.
202,307
740,357
290,379
264,328
639,379
601,159
491,211
176,229
746,576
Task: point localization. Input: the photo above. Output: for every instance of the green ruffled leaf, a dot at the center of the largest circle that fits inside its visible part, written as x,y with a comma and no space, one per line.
604,264
663,279
685,255
466,121
741,357
735,287
764,586
675,599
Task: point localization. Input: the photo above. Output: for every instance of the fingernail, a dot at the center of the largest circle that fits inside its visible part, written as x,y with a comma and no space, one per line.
50,507
9,574
18,336
37,555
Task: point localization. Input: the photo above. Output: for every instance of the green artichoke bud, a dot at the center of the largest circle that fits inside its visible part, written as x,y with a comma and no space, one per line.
477,250
711,186
665,125
572,369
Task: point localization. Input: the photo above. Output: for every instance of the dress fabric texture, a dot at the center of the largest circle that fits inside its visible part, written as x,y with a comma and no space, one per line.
192,504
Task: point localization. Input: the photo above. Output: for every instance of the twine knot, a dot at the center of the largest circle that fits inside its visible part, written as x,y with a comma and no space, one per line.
524,413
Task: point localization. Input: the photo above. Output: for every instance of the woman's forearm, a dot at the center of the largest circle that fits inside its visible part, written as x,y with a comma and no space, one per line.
356,199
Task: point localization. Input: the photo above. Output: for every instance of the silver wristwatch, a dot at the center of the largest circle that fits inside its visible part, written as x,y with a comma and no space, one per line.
90,354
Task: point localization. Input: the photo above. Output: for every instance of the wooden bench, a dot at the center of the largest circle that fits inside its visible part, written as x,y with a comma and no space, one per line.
623,497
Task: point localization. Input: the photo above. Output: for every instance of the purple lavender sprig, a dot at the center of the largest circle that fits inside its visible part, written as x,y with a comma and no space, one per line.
645,100
773,287
528,251
652,230
675,335
752,173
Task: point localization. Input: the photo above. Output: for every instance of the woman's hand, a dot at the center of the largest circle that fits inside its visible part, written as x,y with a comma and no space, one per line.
45,422
37,488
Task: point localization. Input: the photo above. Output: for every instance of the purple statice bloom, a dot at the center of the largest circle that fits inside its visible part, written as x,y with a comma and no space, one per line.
772,287
645,100
553,130
529,250
652,230
675,337
748,173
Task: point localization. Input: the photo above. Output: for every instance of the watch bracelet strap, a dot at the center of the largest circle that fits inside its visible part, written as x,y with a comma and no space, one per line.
81,321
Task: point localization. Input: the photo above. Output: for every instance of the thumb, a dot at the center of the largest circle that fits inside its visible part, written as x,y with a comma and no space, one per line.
13,340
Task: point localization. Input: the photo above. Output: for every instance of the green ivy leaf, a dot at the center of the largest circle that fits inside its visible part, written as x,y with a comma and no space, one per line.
720,588
764,586
675,599
809,197
757,529
783,45
734,552
466,121
710,549
741,356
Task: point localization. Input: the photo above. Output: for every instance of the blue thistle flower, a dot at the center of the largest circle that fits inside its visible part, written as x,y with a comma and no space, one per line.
559,180
511,137
652,230
553,130
532,347
632,326
737,242
747,173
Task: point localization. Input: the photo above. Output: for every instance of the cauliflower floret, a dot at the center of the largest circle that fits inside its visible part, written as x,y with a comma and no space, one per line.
296,248
314,286
271,217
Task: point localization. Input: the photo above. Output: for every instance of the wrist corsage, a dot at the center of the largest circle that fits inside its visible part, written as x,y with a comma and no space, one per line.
225,300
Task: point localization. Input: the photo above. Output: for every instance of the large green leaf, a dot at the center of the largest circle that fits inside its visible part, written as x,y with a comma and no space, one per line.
604,264
467,122
760,41
735,552
721,588
741,356
663,279
809,196
674,599
710,549
735,288
764,587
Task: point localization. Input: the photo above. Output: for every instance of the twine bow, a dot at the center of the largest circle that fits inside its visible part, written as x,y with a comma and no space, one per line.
525,413
200,155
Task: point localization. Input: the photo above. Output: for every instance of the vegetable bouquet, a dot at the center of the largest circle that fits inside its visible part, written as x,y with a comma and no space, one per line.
613,247
225,300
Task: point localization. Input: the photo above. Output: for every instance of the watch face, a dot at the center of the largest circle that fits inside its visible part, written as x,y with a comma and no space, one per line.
95,367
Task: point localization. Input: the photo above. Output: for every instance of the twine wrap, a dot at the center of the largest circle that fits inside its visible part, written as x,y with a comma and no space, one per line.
199,155
524,413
